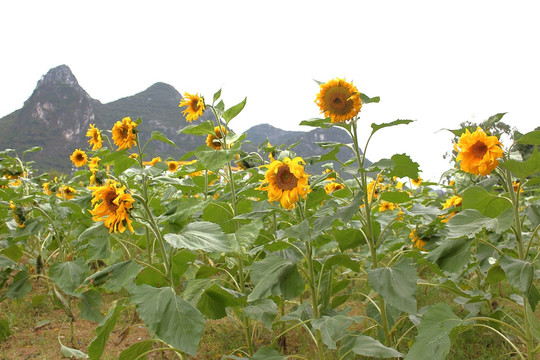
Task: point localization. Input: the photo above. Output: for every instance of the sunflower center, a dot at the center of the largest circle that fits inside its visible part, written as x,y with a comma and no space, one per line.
95,136
479,149
337,100
194,105
109,200
79,157
285,180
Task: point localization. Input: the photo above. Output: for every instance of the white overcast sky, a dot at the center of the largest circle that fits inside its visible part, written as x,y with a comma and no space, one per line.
439,63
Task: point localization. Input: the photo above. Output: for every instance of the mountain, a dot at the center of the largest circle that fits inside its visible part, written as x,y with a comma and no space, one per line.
58,113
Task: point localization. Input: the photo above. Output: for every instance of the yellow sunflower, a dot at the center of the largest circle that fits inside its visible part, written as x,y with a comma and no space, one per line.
153,162
478,152
66,192
112,205
213,139
173,165
374,189
93,164
79,158
124,133
95,137
416,240
195,106
339,100
18,214
333,186
454,201
417,182
386,206
285,181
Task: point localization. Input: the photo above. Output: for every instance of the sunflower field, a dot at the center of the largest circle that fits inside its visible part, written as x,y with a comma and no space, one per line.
254,242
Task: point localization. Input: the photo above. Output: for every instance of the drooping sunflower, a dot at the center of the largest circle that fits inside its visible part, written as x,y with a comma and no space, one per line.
478,152
18,213
195,106
416,240
339,100
213,139
124,133
66,192
112,205
452,202
79,158
285,181
333,186
95,137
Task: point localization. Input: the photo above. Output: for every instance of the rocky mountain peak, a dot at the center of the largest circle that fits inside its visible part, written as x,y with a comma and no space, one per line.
59,75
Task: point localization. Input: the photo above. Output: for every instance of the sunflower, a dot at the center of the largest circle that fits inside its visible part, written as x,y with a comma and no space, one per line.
454,201
285,181
339,100
124,133
213,139
416,240
374,189
417,182
112,205
66,192
79,158
173,166
386,206
333,186
93,164
195,106
18,213
95,137
153,162
478,152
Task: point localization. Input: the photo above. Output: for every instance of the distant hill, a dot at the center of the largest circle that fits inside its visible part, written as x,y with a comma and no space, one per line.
58,113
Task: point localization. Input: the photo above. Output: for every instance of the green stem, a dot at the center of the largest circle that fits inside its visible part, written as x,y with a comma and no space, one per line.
56,233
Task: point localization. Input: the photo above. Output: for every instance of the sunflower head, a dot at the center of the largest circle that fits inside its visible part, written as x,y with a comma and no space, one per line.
18,213
95,137
79,158
195,106
478,152
112,205
333,186
339,100
386,206
124,133
285,181
416,240
213,139
153,162
417,182
66,192
173,165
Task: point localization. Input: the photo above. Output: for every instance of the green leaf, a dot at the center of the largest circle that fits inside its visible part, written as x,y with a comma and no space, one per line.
245,236
169,317
530,138
159,136
487,204
433,339
201,235
322,123
90,305
4,329
68,275
103,331
377,127
396,284
523,169
266,353
367,346
495,275
70,352
32,149
211,298
122,164
404,167
136,350
332,328
6,262
231,113
366,99
116,276
217,95
263,310
275,275
98,248
451,254
397,197
204,128
469,222
214,159
519,273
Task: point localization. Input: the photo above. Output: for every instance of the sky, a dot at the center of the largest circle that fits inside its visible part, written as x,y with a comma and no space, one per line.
438,63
